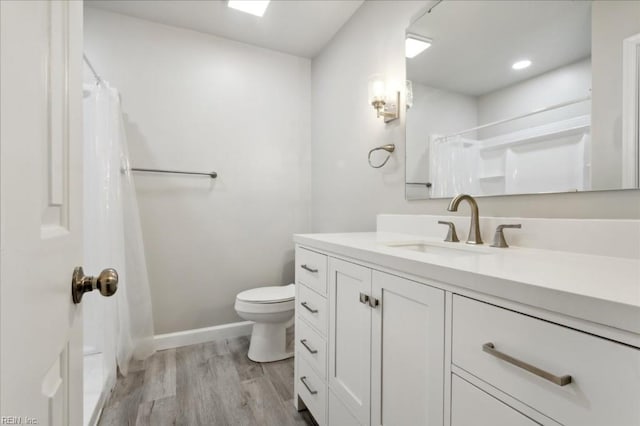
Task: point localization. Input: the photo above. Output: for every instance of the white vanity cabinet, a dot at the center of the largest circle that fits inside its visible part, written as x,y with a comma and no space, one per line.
311,321
350,337
407,347
526,358
385,349
376,348
470,406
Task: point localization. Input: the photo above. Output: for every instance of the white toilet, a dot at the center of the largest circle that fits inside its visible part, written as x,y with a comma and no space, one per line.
272,309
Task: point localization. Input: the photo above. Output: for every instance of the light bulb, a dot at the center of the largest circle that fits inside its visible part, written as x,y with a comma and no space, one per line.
376,89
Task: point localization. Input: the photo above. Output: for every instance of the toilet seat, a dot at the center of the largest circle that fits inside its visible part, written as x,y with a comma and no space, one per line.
262,295
264,308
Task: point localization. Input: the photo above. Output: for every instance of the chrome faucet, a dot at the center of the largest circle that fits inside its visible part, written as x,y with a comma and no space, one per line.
474,230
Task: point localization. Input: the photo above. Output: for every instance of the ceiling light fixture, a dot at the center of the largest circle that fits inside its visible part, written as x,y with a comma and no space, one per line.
415,44
520,65
253,7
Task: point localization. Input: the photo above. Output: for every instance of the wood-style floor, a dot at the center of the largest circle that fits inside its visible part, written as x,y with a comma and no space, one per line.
208,384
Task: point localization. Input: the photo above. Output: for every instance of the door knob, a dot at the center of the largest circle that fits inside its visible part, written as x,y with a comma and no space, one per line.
106,283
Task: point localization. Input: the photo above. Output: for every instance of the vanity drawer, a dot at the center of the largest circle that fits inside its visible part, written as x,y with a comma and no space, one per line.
311,269
313,390
472,406
312,346
312,307
605,375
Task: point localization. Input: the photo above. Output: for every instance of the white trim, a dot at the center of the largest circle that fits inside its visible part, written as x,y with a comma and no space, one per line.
102,401
202,335
630,112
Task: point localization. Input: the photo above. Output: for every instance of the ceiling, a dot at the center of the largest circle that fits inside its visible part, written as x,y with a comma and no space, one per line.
476,42
300,28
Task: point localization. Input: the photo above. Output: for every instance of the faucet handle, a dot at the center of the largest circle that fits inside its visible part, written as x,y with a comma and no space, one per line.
452,237
498,238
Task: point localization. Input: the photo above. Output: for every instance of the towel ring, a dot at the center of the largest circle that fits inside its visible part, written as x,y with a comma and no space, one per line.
389,148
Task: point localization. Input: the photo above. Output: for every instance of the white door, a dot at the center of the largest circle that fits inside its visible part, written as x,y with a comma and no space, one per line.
41,211
407,347
350,336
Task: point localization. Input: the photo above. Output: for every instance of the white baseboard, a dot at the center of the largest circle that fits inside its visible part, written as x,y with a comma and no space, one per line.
202,335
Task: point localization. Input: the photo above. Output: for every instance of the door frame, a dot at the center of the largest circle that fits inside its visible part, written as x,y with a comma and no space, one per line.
631,112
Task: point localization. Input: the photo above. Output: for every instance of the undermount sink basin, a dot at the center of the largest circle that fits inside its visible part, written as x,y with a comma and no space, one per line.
450,249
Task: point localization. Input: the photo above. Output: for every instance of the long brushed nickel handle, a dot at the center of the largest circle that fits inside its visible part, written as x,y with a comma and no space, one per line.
309,348
303,379
308,308
307,268
558,380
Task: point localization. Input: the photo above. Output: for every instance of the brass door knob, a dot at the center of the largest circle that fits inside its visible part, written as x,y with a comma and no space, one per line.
106,283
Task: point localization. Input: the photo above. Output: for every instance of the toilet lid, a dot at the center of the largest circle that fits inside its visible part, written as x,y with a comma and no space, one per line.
283,293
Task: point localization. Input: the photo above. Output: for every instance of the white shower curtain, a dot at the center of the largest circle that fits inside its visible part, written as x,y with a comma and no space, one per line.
453,166
112,233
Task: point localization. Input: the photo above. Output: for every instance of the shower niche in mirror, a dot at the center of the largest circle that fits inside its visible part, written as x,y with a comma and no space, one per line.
521,97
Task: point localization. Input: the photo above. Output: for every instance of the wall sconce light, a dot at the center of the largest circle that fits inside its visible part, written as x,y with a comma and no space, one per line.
408,101
385,104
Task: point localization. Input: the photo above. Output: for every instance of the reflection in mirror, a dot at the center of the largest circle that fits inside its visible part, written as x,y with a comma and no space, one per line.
518,97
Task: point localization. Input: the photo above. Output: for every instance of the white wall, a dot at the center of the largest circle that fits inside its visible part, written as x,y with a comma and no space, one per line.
347,193
564,84
612,21
197,102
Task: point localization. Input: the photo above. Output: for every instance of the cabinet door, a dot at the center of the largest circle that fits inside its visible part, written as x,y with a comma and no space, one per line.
338,413
350,337
472,406
407,353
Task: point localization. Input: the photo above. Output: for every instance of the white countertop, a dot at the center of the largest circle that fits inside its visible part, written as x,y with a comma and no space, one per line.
600,289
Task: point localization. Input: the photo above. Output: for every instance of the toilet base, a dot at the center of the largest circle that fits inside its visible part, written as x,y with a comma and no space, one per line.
269,342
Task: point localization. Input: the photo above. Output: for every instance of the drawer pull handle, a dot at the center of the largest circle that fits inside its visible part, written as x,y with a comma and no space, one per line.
303,379
308,308
307,268
558,380
309,348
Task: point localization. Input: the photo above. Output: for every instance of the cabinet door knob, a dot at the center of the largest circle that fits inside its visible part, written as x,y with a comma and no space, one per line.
364,298
373,302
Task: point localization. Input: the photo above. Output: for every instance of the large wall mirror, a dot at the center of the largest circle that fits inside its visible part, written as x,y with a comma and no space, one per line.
522,97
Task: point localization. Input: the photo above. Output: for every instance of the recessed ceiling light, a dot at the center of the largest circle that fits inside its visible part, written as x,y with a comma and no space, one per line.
414,45
254,7
520,65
